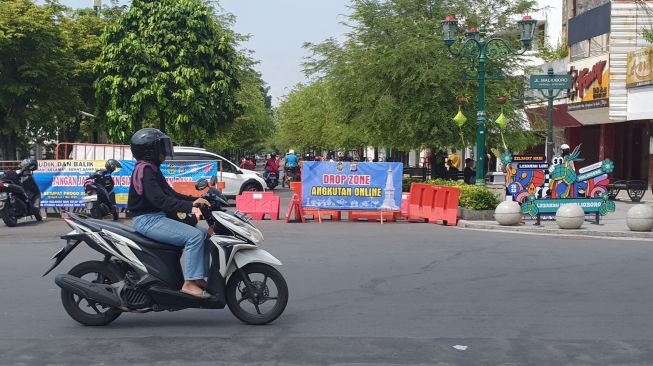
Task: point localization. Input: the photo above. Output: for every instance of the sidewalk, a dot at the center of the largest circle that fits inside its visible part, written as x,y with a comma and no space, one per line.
613,225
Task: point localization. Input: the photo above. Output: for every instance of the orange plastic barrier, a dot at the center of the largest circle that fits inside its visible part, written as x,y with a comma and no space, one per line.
259,204
415,204
446,206
334,215
390,216
405,197
297,188
433,203
296,206
188,189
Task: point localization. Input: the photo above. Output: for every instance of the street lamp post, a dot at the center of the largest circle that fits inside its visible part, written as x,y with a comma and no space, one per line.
487,49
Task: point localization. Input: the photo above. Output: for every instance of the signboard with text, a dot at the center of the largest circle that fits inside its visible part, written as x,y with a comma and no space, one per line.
550,82
62,181
351,185
590,80
638,68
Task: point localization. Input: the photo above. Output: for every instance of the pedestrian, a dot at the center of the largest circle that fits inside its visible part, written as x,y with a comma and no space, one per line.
469,172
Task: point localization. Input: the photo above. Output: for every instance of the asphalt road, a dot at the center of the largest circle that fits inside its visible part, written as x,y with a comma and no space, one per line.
363,294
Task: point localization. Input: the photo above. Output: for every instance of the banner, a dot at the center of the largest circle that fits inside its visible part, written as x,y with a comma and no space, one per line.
62,181
351,186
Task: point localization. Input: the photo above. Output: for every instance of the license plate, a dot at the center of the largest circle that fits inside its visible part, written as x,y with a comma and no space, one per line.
3,196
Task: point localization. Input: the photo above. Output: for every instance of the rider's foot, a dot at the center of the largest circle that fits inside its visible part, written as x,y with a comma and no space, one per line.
191,288
201,283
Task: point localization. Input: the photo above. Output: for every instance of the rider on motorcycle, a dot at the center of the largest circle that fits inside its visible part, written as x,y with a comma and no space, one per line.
152,200
271,166
292,164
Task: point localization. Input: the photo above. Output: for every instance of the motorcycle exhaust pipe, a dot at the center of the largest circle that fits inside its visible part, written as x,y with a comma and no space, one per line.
97,292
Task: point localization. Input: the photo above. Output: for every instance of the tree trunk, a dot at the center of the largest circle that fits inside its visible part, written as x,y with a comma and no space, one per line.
162,123
8,146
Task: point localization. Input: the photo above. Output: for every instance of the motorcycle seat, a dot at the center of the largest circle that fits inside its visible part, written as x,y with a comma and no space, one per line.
131,234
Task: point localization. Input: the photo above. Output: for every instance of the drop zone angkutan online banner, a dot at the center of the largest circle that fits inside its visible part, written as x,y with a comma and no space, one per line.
351,185
62,181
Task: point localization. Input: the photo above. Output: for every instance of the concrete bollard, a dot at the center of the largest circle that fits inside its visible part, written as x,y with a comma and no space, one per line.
570,216
508,213
640,218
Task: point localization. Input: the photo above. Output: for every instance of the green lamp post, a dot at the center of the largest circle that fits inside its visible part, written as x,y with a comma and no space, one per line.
484,50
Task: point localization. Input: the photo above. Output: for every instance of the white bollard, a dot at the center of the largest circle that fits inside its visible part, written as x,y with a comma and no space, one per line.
640,218
508,213
570,216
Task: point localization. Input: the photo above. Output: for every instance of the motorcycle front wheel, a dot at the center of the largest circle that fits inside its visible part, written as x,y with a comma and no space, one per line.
261,297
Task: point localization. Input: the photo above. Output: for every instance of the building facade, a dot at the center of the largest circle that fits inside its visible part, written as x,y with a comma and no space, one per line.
608,115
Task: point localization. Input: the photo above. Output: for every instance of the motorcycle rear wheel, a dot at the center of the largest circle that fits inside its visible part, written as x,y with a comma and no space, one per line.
73,302
9,220
238,294
96,212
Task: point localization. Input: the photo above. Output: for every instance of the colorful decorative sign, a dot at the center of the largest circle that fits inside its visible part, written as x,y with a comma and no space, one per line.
534,207
590,80
591,182
638,67
62,181
351,186
525,174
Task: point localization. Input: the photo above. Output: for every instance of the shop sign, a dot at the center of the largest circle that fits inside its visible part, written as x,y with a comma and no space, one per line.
638,68
590,79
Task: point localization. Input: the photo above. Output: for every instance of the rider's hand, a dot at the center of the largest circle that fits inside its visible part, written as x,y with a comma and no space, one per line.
201,202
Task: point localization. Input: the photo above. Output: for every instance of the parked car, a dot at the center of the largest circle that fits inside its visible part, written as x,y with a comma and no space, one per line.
236,179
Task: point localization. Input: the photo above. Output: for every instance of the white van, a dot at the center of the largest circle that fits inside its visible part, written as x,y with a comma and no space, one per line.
236,179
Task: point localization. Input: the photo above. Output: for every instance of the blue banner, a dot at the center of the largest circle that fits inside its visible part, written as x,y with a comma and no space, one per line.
62,181
351,186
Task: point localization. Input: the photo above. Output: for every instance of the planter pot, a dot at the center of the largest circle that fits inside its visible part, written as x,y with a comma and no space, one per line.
475,215
570,216
508,213
640,218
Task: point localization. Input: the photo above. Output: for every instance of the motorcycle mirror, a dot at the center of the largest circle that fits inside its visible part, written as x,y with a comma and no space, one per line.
214,181
202,184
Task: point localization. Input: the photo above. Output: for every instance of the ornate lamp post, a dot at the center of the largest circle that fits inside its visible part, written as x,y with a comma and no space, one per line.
484,50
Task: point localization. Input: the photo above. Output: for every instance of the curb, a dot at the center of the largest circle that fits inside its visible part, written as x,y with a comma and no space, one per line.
529,229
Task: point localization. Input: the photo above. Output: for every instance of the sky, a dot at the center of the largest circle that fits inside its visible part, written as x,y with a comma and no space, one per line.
279,28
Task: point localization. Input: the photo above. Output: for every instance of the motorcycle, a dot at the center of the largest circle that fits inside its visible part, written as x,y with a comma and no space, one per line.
100,199
272,180
20,196
139,275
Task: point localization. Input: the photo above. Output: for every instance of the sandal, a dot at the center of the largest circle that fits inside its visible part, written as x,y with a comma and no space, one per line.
201,295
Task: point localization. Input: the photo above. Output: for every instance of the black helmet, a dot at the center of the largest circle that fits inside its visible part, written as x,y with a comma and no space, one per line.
28,164
149,143
111,165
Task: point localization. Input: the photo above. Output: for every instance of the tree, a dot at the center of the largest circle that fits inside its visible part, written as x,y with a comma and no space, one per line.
35,85
170,64
394,80
253,128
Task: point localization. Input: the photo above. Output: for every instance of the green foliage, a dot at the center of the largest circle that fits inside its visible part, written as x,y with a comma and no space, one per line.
251,130
406,182
392,81
170,64
471,197
648,34
35,73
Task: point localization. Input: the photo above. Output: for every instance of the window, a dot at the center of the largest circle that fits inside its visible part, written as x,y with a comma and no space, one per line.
590,47
599,44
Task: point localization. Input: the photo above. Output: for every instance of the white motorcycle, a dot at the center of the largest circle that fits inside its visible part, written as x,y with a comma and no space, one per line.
139,275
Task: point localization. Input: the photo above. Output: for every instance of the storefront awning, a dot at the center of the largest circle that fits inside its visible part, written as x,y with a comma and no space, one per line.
561,117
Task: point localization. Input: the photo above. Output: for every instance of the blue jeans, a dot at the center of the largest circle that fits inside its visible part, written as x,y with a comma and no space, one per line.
158,227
